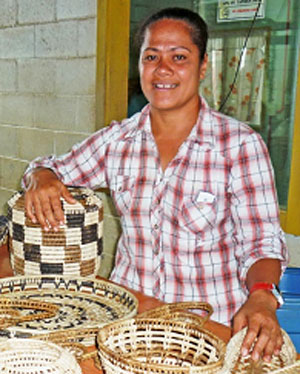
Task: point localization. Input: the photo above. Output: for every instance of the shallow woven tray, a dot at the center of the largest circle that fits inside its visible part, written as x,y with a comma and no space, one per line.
18,356
168,340
75,249
83,303
10,314
234,363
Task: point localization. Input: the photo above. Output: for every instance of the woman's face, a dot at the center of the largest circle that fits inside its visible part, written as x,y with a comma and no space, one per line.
169,65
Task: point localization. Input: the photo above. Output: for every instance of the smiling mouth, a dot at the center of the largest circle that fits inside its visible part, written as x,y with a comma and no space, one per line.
165,86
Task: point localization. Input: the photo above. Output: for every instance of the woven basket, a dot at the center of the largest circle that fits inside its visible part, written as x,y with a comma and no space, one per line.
19,356
75,249
80,303
10,311
291,369
168,340
235,363
3,230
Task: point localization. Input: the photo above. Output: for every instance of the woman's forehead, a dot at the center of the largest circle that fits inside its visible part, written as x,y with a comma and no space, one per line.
168,30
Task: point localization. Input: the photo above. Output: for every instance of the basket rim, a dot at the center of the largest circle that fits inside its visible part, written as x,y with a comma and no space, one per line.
148,366
89,286
48,350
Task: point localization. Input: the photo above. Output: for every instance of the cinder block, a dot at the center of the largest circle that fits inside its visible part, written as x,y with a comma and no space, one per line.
8,141
76,76
17,42
56,40
8,77
37,75
70,9
36,11
8,13
5,195
63,141
86,114
55,113
12,172
16,109
34,143
87,38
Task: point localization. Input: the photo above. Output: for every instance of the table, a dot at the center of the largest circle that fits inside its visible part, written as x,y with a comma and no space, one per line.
145,303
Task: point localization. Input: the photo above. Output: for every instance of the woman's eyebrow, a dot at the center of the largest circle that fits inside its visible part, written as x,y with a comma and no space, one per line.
171,49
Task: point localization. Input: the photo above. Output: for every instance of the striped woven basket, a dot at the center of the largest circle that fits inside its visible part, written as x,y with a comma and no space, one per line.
75,249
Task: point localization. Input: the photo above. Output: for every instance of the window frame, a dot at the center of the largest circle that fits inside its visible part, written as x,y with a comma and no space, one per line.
290,218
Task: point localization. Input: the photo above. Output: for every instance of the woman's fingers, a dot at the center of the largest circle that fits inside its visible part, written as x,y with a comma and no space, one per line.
43,199
263,337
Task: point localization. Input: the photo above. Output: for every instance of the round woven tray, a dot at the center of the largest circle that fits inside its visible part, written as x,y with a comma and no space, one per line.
10,314
235,363
168,340
18,356
75,249
82,303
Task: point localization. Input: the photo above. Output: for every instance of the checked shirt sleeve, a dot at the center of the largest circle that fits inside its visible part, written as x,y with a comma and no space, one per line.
254,207
83,166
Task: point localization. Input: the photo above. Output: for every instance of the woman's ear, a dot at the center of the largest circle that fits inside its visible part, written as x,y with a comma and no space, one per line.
203,67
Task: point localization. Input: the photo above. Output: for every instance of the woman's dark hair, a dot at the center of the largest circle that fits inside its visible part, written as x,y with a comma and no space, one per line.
198,26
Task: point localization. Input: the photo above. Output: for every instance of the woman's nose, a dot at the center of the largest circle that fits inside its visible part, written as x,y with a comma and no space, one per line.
164,67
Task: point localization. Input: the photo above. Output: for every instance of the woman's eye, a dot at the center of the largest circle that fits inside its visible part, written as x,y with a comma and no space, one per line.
150,58
179,57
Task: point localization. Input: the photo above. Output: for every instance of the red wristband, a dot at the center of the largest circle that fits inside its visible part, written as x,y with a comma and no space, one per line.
261,286
269,287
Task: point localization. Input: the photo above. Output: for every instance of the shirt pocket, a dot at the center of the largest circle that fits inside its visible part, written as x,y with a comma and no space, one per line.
121,188
198,212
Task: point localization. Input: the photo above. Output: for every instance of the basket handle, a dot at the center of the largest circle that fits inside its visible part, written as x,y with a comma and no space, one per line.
180,311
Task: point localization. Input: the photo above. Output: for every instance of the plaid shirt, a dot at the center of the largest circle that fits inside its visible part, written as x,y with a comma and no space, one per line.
192,231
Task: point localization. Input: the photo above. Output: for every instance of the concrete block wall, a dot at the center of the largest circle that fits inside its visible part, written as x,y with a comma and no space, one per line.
47,90
47,81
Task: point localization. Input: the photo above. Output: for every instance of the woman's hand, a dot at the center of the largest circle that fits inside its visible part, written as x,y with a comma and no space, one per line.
42,199
259,315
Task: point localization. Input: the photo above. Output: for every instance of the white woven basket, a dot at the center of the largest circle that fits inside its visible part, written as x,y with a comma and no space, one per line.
23,356
235,363
166,341
75,249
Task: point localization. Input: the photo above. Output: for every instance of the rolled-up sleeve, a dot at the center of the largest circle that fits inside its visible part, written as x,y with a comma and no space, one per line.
254,207
83,165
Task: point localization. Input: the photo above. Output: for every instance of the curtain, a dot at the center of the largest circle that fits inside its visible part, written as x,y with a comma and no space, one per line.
224,53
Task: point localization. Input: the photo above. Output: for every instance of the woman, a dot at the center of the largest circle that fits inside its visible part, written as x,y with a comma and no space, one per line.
193,187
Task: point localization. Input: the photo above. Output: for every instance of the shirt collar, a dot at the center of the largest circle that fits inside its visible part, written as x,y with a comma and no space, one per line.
202,133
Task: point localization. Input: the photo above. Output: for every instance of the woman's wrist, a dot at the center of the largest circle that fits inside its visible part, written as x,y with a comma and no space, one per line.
264,296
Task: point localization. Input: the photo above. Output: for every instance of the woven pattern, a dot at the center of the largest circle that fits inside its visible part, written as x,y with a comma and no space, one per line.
236,364
3,230
166,343
291,369
10,311
73,250
80,303
18,356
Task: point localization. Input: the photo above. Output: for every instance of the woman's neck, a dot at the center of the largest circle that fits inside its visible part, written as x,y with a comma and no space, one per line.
174,123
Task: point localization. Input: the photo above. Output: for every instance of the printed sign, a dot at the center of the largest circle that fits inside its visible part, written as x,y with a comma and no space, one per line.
237,10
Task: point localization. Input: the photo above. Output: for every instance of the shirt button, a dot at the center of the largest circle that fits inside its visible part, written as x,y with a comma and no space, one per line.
155,251
156,226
